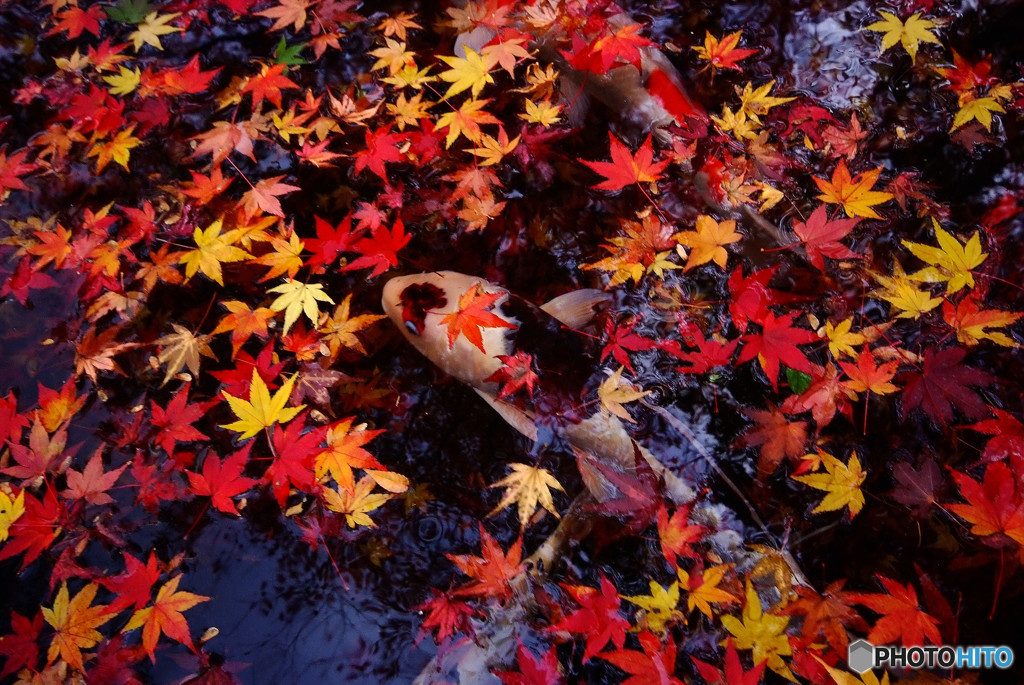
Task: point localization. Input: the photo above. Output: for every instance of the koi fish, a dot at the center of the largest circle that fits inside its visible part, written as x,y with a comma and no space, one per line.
530,364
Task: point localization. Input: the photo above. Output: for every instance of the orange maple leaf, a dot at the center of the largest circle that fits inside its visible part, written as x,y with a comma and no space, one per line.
345,452
492,571
268,84
707,243
901,619
777,437
165,616
75,622
472,315
724,53
626,169
853,193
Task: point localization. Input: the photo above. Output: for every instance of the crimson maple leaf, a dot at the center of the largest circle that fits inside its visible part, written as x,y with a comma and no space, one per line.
134,585
943,384
516,373
626,169
751,296
733,673
36,529
380,250
381,146
155,483
598,618
1006,430
492,571
777,343
821,235
533,671
472,315
12,169
445,613
622,340
656,664
25,279
293,462
223,480
709,355
175,422
330,241
21,646
11,422
902,619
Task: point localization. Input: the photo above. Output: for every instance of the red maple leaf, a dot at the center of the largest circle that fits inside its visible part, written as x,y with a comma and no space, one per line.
622,340
943,384
445,613
11,422
620,47
598,618
381,146
330,241
43,454
237,380
995,506
626,169
175,422
472,315
268,84
656,664
21,646
189,79
492,571
12,169
36,529
380,250
263,196
205,188
134,585
25,279
516,373
1006,430
74,20
902,619
751,296
533,671
826,614
223,480
777,343
293,463
733,673
710,353
823,397
156,484
821,235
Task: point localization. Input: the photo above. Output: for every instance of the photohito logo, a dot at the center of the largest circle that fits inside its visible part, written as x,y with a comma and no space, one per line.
862,656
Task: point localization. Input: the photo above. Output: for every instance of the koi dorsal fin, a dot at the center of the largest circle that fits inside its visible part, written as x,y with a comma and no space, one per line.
577,308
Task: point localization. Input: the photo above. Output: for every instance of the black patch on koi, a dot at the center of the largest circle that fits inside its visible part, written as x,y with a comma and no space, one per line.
416,300
565,360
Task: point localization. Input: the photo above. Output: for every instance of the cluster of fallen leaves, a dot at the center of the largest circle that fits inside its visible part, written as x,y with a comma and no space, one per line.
200,238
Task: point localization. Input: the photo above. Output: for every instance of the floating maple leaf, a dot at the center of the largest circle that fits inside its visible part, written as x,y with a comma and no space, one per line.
656,664
75,621
516,373
473,315
950,262
821,237
491,572
708,242
777,344
762,633
944,384
528,486
909,34
777,436
902,618
598,618
724,53
841,481
854,194
165,616
223,480
626,169
262,410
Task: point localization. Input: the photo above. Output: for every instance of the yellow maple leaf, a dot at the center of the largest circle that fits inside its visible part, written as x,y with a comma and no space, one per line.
410,76
117,149
708,242
11,509
296,297
755,103
902,293
212,249
393,56
285,258
528,486
471,73
841,481
492,150
763,634
356,505
977,109
845,678
75,622
853,193
702,590
659,606
339,329
124,82
151,28
261,410
915,31
543,113
841,340
397,24
950,262
409,112
614,392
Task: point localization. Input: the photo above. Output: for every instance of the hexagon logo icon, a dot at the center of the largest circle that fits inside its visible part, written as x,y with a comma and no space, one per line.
860,656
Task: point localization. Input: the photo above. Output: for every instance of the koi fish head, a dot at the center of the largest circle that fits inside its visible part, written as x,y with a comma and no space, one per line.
426,309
